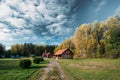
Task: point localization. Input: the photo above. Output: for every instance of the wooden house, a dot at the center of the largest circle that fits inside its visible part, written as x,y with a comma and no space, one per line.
64,54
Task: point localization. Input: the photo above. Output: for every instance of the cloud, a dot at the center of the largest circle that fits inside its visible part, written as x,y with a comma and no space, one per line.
5,11
117,11
30,20
61,17
101,4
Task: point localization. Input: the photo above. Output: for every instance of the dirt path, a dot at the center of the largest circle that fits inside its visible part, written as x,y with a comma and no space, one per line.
50,67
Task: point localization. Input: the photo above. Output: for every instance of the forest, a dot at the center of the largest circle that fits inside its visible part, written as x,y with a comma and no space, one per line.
95,40
25,50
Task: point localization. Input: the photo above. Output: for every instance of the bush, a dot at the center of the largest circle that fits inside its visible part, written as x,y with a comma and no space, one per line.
41,59
25,63
37,60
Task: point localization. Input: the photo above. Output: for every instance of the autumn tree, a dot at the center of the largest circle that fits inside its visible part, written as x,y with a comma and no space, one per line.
96,40
81,39
66,44
17,49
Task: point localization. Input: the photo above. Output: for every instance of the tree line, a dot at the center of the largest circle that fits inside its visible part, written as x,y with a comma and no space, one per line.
26,50
95,40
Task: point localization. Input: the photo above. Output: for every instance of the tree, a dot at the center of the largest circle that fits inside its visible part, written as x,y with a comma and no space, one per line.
81,39
28,49
2,49
113,37
98,39
98,29
17,49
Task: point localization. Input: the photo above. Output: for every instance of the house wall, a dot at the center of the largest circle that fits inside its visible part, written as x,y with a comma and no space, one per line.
67,55
50,56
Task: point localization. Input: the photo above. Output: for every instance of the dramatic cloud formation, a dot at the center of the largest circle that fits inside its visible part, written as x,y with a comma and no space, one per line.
36,20
45,21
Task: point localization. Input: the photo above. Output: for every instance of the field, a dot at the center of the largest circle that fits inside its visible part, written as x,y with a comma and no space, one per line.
74,69
10,70
91,69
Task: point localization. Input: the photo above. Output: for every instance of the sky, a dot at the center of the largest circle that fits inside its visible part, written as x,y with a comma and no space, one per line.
49,22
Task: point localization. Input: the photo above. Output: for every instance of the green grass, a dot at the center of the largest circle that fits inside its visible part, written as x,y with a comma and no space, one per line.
10,70
91,69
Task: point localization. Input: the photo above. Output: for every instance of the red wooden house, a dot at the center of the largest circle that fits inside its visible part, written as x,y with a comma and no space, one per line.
48,55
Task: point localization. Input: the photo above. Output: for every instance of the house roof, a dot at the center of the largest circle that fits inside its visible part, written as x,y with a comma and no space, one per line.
48,53
59,52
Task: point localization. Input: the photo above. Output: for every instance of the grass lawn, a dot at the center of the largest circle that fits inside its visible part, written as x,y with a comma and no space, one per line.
91,69
10,70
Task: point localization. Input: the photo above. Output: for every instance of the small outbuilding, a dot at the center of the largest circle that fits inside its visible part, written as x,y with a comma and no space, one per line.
48,55
64,54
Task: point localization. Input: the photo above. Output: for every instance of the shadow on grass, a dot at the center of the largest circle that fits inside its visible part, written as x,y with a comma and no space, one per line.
40,65
37,67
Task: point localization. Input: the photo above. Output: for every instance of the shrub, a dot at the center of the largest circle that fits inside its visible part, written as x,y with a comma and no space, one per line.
37,60
41,59
25,63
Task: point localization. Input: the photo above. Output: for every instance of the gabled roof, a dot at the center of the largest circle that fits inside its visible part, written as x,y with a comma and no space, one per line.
48,53
59,52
